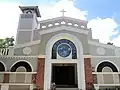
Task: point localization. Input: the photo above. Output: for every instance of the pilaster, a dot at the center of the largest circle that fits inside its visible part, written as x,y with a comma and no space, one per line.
4,87
40,73
31,87
88,73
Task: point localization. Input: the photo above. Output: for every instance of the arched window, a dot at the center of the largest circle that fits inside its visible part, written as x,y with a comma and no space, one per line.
2,67
64,48
21,69
20,65
107,77
106,69
106,64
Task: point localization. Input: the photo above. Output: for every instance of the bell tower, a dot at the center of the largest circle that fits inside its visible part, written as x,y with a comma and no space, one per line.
27,24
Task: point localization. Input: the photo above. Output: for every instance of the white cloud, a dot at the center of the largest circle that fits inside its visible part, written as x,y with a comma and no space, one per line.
9,16
51,11
102,28
116,41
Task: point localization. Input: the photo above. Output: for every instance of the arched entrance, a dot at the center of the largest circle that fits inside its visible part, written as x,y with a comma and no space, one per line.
61,53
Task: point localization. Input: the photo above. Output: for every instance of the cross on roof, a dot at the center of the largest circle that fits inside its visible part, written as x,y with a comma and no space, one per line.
63,11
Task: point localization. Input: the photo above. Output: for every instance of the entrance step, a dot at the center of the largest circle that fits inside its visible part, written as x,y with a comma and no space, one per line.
67,89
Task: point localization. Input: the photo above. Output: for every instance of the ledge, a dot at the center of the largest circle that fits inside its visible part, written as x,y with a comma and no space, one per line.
105,72
18,72
20,57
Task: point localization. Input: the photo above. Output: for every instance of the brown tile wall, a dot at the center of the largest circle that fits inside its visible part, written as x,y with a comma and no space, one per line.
88,74
40,73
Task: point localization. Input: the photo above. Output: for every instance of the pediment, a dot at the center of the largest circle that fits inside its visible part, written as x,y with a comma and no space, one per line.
63,28
63,23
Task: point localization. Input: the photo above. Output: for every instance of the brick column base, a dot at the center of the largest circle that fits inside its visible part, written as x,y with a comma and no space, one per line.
88,74
6,78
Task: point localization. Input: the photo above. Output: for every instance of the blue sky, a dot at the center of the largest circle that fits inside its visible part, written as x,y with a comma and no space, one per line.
101,8
103,15
96,8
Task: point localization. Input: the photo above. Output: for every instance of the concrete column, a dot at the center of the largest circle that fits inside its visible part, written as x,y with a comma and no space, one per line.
4,87
31,87
96,87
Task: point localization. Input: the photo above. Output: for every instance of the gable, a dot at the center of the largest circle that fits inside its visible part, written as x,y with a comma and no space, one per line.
61,28
62,23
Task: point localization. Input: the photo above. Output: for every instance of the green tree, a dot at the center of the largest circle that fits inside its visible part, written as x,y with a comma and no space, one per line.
5,43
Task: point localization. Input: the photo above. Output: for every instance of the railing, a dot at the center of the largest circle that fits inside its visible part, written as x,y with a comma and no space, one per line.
6,51
59,23
106,77
17,77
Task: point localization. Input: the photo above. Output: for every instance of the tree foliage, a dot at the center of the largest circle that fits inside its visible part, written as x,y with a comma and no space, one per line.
5,43
109,43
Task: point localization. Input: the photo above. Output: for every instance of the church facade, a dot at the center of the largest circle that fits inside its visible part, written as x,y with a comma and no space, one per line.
59,50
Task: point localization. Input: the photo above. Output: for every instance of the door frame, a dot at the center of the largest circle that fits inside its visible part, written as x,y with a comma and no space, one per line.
48,72
73,66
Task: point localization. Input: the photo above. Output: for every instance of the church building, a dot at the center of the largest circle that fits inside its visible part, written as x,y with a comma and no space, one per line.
59,50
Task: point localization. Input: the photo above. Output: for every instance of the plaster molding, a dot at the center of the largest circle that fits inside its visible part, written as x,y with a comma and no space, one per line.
117,51
41,56
18,72
27,50
27,44
105,56
63,27
104,60
106,85
25,30
59,18
101,44
87,56
105,72
22,61
91,56
100,51
15,84
18,57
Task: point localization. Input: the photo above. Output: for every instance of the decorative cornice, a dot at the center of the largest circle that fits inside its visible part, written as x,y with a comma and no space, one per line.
41,56
58,18
19,57
105,56
105,73
101,44
87,56
18,72
16,84
91,56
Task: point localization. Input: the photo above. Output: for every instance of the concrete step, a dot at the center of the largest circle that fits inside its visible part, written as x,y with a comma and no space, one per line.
67,89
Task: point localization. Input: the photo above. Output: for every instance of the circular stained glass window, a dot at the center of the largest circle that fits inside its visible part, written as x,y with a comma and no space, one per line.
64,50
